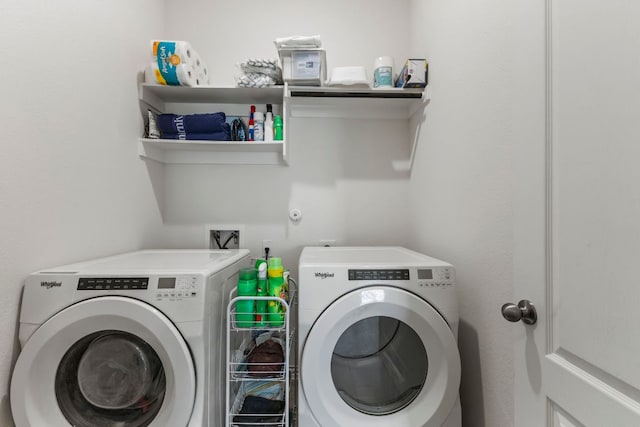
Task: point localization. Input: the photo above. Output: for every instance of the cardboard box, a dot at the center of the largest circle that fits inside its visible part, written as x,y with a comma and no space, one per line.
414,74
304,66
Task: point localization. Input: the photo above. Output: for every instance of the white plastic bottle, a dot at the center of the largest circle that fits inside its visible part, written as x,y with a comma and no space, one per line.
268,127
258,126
383,72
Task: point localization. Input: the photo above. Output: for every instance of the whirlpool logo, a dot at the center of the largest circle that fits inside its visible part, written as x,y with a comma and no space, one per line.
325,275
50,285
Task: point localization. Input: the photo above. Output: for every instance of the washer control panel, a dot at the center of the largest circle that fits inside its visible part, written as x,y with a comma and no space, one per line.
167,288
112,283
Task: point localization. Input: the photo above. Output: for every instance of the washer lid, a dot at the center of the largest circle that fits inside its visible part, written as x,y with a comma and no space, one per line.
380,356
65,374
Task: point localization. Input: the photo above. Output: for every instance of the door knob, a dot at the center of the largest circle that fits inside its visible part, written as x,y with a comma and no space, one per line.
524,311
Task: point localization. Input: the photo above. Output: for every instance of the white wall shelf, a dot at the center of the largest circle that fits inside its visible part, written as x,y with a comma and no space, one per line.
291,101
187,100
339,102
170,151
158,95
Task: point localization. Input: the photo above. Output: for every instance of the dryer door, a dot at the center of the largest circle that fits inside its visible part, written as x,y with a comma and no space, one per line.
380,356
103,362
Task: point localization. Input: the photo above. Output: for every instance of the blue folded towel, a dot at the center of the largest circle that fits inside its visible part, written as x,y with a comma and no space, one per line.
213,136
191,123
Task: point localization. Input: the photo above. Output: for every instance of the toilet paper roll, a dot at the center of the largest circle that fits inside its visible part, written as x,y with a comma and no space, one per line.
176,52
180,75
177,63
203,80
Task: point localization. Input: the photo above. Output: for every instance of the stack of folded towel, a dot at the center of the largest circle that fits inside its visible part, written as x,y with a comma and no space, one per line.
298,42
200,127
176,63
260,73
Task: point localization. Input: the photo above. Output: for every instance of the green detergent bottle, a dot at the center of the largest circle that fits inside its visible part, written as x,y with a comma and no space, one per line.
275,309
247,286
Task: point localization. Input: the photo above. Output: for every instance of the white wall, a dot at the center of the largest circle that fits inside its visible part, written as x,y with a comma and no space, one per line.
71,184
341,174
73,187
461,198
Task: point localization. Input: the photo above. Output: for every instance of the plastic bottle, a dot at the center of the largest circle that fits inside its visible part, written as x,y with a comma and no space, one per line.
261,305
275,310
247,286
258,126
383,72
251,122
268,125
277,128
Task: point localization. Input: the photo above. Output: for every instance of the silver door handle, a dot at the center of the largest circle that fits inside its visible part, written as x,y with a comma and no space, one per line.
524,311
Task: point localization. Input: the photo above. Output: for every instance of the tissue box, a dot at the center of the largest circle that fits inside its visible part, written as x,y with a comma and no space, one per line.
414,74
303,66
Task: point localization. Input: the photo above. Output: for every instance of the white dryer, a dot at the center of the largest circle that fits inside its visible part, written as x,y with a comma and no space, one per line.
131,340
377,339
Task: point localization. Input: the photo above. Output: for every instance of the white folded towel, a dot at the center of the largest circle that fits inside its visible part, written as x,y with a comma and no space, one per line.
298,42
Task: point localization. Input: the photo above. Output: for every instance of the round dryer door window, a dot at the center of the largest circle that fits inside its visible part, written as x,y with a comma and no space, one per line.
89,366
379,365
380,356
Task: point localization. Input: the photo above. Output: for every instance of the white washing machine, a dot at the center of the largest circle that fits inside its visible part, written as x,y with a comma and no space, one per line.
131,340
377,339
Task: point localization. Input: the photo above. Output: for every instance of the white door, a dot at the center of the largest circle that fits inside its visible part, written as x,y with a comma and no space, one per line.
577,214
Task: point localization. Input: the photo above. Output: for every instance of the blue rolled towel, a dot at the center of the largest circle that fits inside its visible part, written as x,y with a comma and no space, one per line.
191,123
213,136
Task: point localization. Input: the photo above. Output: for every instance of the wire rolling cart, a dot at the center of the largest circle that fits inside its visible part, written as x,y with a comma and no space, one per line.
274,381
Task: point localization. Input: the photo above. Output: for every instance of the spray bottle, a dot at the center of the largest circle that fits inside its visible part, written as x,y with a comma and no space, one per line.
268,124
261,305
276,289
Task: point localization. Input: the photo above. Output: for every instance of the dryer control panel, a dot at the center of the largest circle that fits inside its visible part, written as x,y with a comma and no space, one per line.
435,277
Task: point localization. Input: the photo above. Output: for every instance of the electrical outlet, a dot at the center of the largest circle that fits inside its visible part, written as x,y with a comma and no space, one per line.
225,236
327,242
267,244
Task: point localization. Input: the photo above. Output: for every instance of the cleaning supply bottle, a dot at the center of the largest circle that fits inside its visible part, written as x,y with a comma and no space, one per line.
258,126
277,128
268,124
276,289
251,122
247,286
263,291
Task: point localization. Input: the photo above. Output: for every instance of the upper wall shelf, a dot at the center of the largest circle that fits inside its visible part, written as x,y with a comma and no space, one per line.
348,102
289,101
158,95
